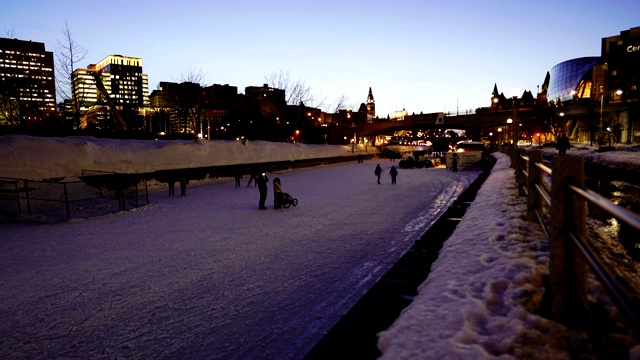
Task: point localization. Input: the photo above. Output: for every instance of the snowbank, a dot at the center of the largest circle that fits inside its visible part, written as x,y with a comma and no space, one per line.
478,299
40,158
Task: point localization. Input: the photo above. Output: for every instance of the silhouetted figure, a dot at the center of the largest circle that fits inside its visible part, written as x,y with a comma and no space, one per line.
394,174
278,197
261,181
183,186
253,173
378,172
454,164
172,184
360,158
238,176
563,145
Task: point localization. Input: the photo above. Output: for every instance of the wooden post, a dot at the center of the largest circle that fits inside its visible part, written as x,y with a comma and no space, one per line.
534,199
520,168
567,266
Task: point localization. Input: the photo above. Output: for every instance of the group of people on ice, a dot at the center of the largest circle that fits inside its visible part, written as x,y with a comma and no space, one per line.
280,199
393,172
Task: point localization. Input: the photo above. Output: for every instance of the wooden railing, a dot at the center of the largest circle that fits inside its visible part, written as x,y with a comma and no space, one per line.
557,199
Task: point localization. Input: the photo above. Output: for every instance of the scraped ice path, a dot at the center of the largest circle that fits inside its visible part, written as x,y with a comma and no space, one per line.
208,275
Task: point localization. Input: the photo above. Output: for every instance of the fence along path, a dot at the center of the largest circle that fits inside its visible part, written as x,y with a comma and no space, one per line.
561,210
64,199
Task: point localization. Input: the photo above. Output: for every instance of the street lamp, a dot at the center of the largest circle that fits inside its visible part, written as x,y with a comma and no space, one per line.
618,92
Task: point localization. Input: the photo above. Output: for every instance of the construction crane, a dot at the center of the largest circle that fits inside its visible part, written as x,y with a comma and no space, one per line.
120,121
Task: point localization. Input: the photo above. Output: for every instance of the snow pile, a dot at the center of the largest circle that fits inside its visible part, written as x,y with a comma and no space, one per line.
40,158
478,299
624,156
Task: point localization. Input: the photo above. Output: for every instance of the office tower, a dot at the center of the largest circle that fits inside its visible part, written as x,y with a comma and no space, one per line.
27,82
116,82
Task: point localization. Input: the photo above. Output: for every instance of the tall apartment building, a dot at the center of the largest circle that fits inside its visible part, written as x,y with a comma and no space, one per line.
27,82
122,78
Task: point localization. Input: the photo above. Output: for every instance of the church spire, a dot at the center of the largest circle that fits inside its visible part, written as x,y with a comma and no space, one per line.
371,104
370,97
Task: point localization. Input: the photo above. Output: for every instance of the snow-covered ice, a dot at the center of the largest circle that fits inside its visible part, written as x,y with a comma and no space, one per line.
208,275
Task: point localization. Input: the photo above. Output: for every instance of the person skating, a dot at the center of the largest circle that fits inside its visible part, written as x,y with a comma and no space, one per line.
394,173
183,186
378,172
261,181
253,174
172,184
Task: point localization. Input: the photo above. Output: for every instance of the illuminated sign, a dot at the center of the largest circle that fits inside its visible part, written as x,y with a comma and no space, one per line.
633,48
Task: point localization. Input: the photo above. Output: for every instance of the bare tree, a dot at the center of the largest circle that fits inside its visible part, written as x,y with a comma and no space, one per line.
10,33
340,103
296,91
68,54
9,109
189,102
193,75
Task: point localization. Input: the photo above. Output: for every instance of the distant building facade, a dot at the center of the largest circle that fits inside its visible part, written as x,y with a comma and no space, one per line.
122,77
610,81
27,82
571,77
116,83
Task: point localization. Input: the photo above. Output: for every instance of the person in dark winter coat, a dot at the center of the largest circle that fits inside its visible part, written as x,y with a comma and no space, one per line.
394,173
563,145
278,197
172,184
238,176
454,164
378,172
261,181
183,186
253,174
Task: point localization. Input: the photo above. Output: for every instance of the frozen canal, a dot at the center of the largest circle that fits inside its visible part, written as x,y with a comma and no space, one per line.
208,275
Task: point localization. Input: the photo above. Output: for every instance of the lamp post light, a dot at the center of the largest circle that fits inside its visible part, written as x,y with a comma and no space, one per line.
618,92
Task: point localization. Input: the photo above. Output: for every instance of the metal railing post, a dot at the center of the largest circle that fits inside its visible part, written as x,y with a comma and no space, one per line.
534,198
568,268
26,195
66,201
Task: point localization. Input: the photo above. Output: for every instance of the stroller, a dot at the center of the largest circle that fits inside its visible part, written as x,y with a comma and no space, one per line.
287,200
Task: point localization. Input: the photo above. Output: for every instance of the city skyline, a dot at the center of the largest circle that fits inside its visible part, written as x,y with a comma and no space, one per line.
420,57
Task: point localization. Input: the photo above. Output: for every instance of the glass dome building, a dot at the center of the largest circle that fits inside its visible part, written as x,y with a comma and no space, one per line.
569,76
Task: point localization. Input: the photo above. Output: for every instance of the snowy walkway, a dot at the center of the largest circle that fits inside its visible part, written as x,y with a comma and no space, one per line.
208,275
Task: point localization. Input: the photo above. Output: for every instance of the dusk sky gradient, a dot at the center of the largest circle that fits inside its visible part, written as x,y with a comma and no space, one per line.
424,56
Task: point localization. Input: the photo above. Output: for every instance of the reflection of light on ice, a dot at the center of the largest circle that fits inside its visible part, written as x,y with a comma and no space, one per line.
425,219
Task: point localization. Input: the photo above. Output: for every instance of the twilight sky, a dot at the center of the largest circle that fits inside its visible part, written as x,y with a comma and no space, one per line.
424,56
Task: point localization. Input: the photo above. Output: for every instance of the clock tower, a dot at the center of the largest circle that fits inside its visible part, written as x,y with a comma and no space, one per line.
371,104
